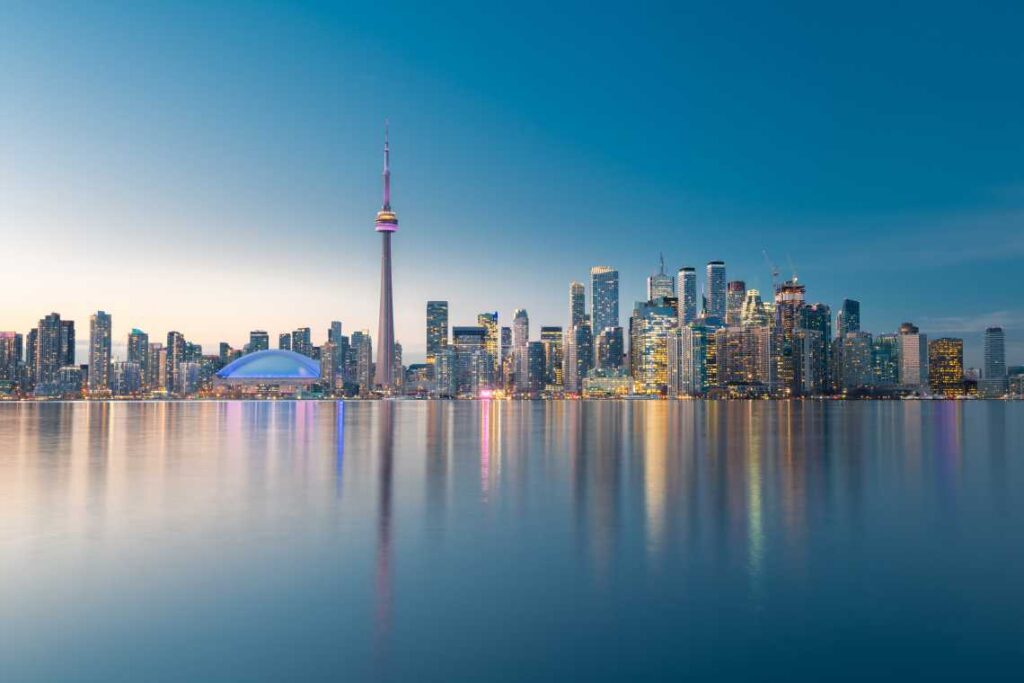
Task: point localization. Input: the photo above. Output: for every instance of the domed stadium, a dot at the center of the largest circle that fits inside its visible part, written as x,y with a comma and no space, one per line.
274,366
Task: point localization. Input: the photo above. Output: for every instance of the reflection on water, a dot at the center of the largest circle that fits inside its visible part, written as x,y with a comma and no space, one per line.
599,540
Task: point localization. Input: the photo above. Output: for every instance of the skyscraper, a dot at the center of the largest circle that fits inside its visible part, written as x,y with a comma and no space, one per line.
387,223
520,340
472,365
577,304
489,321
437,328
259,340
993,377
660,285
579,357
789,299
754,312
67,342
608,348
735,294
49,354
913,357
715,290
604,298
552,339
848,318
175,349
138,353
946,367
284,341
687,288
885,357
856,361
302,341
649,328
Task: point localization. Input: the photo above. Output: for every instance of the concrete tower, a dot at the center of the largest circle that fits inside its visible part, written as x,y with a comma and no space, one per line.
387,223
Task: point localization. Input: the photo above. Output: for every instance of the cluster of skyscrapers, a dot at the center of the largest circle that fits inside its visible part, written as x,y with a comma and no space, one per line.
722,340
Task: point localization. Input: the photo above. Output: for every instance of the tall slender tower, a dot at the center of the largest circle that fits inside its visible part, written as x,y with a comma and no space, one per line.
387,223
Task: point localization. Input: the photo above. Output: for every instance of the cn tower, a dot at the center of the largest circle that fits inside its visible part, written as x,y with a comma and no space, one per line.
387,223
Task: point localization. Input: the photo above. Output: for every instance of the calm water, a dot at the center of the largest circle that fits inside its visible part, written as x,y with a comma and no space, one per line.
511,541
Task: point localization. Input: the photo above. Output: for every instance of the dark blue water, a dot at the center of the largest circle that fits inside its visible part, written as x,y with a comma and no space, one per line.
511,541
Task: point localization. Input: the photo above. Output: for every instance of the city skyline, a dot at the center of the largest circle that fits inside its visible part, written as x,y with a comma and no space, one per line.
169,193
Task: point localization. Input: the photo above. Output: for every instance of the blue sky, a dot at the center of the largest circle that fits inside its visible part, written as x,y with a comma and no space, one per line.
213,167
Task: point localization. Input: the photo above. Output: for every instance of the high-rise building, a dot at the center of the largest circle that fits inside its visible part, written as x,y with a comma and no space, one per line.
67,342
259,340
156,377
138,353
489,321
328,366
660,285
946,367
743,357
302,341
848,318
994,381
604,298
473,365
577,304
648,339
735,295
608,348
753,312
815,322
579,357
445,372
334,331
49,352
437,328
686,355
885,357
913,357
520,340
506,365
10,356
284,341
856,361
387,224
175,349
789,300
362,370
536,371
687,288
125,378
715,289
552,339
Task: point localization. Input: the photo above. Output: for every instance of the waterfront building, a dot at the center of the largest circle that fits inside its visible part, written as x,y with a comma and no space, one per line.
125,378
604,298
473,363
520,341
715,289
856,362
608,348
269,372
386,225
913,357
814,333
437,328
552,339
789,300
993,382
329,366
362,362
687,289
649,327
536,370
49,354
99,352
743,357
259,340
946,367
753,311
579,357
489,321
660,285
505,352
70,381
885,354
67,342
175,351
848,318
445,372
284,341
735,295
686,354
138,352
607,383
10,356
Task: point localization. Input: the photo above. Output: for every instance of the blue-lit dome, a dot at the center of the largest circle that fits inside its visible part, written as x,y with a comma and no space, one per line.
274,364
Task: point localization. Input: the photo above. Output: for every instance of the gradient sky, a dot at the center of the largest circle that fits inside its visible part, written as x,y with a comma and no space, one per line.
213,167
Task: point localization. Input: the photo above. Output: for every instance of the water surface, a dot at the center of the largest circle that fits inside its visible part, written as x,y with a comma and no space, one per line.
500,541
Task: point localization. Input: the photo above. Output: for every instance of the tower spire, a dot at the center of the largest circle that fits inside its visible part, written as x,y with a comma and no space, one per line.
387,169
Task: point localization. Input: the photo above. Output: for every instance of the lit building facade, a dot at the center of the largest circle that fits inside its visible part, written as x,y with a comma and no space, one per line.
913,357
686,280
604,298
715,290
437,328
946,367
649,328
735,295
